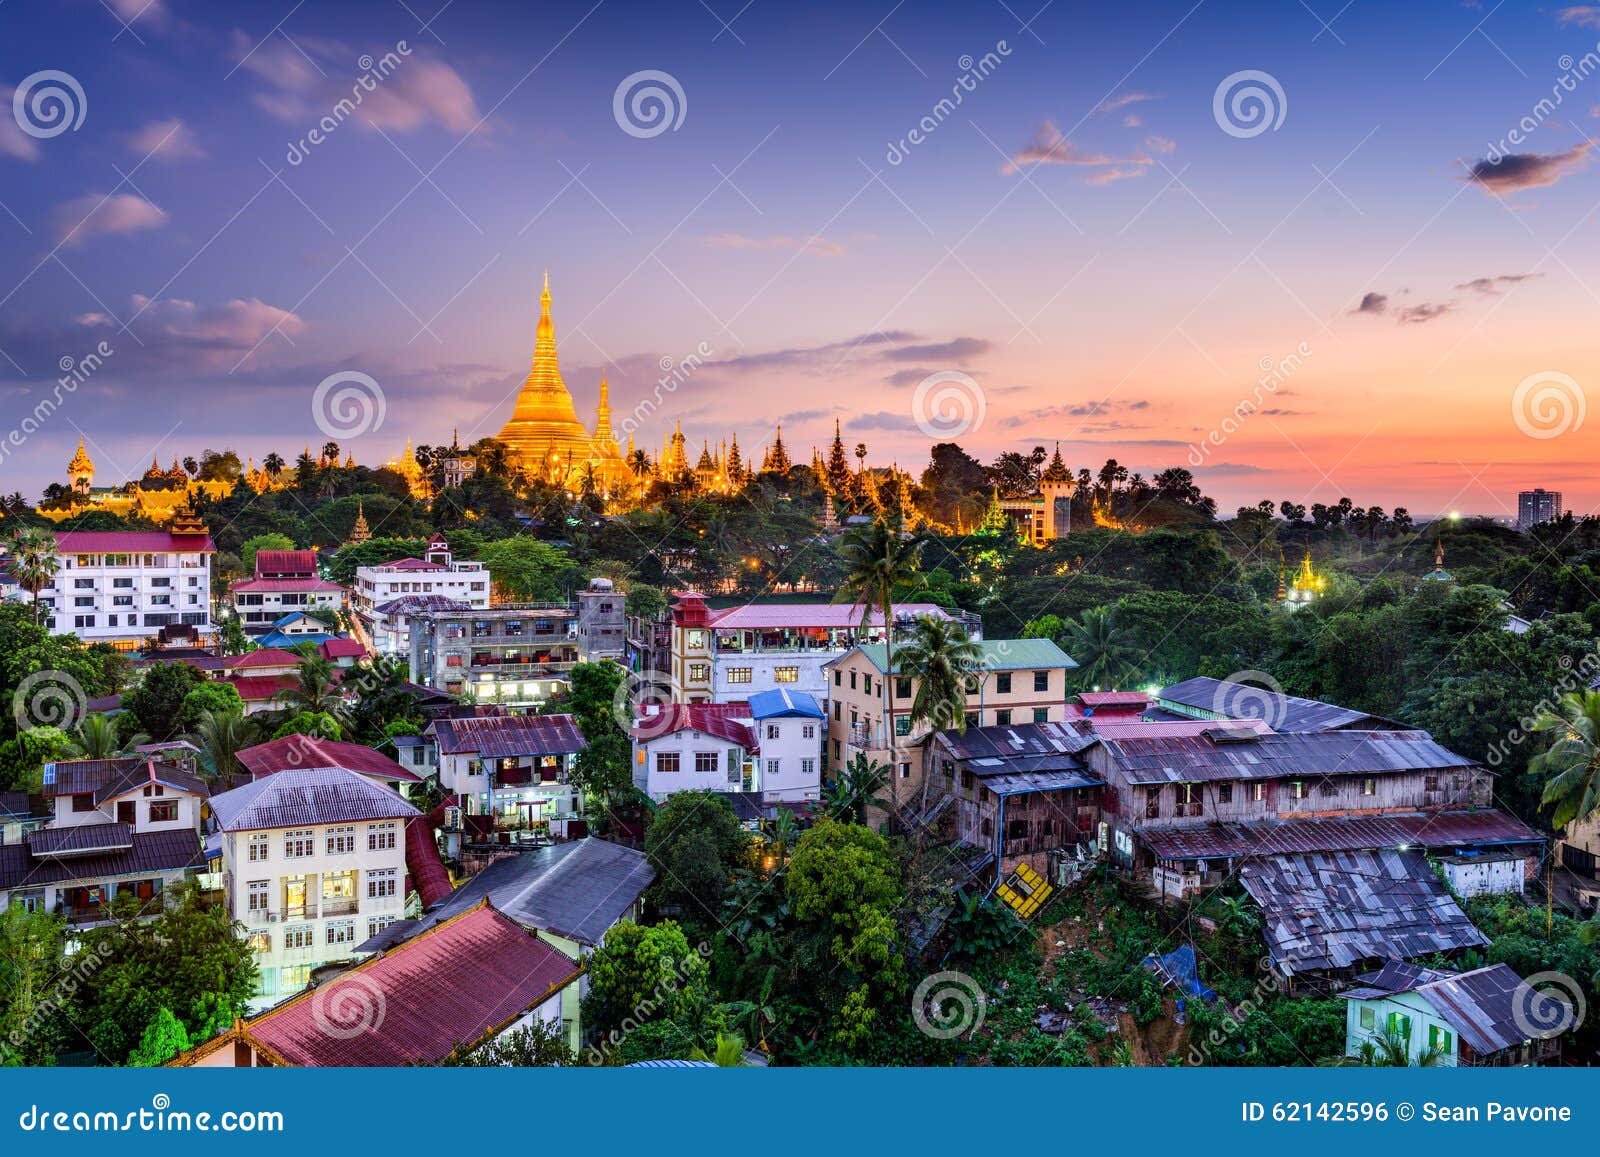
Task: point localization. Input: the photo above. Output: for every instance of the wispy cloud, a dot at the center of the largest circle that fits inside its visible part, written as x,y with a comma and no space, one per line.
165,140
1049,147
13,141
96,214
1427,311
1580,16
1516,171
1372,303
1490,286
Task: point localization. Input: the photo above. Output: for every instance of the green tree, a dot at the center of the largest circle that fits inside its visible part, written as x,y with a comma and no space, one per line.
33,560
319,724
1570,766
1100,648
878,559
645,601
640,974
163,1038
858,786
221,736
234,640
97,737
694,843
210,697
602,769
250,546
527,569
156,704
539,1044
942,658
30,963
315,690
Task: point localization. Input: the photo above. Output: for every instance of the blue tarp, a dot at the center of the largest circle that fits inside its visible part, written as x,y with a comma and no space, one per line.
1180,968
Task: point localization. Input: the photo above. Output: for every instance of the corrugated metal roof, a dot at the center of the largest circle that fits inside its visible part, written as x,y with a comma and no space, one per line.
1326,911
509,736
151,852
131,542
1224,699
782,701
1202,758
1342,833
300,751
821,616
301,798
82,839
993,655
1492,1008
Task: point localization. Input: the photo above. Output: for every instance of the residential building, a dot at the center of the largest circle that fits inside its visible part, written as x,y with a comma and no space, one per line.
1479,1018
512,767
790,729
602,622
18,817
296,752
694,747
313,863
1578,856
452,988
1205,698
512,654
1538,505
716,656
285,582
122,587
117,827
389,628
437,574
1012,681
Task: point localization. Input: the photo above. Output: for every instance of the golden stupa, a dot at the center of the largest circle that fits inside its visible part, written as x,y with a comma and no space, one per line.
544,437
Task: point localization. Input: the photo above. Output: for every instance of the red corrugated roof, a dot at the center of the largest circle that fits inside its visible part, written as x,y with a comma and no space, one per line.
821,616
286,562
259,688
265,657
132,542
1113,698
292,585
730,721
415,1004
413,564
428,876
297,751
341,648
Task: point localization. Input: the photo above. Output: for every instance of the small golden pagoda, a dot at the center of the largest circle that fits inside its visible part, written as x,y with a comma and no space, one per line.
359,532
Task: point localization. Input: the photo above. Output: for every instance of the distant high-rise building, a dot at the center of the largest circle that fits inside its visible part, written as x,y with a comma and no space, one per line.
1536,506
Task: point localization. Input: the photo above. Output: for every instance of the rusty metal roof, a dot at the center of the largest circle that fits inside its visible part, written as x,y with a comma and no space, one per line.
509,736
1327,911
1233,754
1438,830
1224,699
1491,1008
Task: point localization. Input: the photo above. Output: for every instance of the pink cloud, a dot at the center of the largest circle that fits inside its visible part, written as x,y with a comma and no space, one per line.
166,140
95,214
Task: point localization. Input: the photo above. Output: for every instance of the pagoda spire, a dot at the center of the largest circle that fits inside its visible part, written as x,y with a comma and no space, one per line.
359,532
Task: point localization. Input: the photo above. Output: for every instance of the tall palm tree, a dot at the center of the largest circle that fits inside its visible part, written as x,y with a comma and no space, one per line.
273,464
96,738
1100,648
877,559
220,736
943,658
314,690
849,793
34,561
1571,764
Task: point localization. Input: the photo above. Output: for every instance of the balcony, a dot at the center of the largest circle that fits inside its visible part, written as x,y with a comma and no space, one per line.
340,905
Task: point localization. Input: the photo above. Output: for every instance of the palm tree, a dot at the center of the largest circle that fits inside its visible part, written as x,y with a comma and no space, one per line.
273,464
877,559
850,792
728,1052
943,658
314,690
782,831
34,561
1571,764
220,736
1099,647
1391,1049
96,738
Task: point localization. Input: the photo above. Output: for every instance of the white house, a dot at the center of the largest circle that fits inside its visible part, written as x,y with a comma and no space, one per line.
285,581
791,728
121,587
694,747
313,863
435,576
513,767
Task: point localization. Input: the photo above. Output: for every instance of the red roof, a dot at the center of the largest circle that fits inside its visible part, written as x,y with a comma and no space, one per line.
265,657
260,688
341,649
413,564
297,751
818,616
730,721
131,542
428,876
284,584
1099,699
286,563
453,984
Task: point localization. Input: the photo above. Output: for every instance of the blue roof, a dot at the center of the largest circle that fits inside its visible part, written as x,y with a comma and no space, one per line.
280,639
767,704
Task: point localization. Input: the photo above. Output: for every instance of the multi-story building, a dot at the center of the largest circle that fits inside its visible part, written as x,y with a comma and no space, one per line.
436,575
117,827
716,656
789,728
1044,517
122,587
285,581
513,654
602,622
512,767
313,863
1578,854
1536,506
694,747
1012,681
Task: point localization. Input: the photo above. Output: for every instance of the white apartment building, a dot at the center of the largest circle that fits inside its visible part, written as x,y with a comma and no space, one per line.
694,747
433,577
313,863
285,581
122,587
791,729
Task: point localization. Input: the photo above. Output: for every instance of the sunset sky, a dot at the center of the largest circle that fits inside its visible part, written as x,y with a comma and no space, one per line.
1080,237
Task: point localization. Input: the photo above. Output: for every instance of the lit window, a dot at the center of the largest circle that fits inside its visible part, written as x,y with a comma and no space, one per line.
739,674
786,674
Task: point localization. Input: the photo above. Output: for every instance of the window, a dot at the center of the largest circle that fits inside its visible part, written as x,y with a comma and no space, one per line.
786,674
83,803
1369,786
696,639
1369,1018
809,731
299,844
258,895
905,771
298,936
1224,793
381,883
1297,789
705,762
1327,789
377,924
260,942
163,811
1430,783
82,621
699,672
1439,1038
1400,1025
1002,718
808,767
1041,680
1041,715
772,731
902,725
341,840
1152,803
338,893
83,584
902,687
836,710
1002,683
666,761
739,674
1258,792
772,767
341,932
380,837
260,847
83,601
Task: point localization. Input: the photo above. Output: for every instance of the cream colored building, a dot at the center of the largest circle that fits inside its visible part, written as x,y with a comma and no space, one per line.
1013,681
309,893
1578,854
